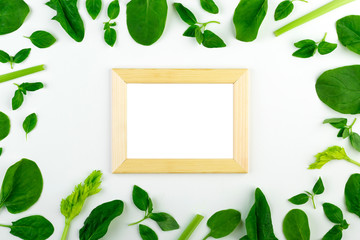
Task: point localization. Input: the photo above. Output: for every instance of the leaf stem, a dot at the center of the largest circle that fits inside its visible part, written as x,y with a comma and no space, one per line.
8,226
313,200
132,224
312,15
191,227
27,71
353,123
66,229
206,237
353,161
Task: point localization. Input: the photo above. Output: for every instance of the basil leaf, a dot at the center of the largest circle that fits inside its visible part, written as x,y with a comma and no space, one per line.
299,199
93,7
345,133
42,39
4,57
333,213
336,122
110,36
283,10
305,52
355,141
4,126
32,227
113,9
146,20
190,32
352,194
223,223
140,198
211,40
185,14
326,47
304,43
209,6
335,233
12,15
199,35
296,225
248,16
339,88
30,123
17,100
21,187
318,187
348,31
147,233
97,223
22,55
69,18
32,86
165,221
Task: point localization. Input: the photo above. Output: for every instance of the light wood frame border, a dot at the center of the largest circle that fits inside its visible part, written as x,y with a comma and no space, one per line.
120,79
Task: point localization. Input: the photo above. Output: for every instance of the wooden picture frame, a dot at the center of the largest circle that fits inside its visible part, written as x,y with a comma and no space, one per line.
237,77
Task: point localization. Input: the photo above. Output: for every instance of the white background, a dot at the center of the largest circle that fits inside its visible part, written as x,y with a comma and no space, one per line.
73,133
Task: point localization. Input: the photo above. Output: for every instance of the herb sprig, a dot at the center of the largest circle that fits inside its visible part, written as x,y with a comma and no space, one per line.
303,198
308,47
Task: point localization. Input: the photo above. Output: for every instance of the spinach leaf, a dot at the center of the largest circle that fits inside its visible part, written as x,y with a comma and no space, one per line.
209,6
69,18
42,39
17,100
339,88
22,55
211,40
30,123
348,30
185,14
352,194
146,20
335,233
165,221
114,9
331,153
21,187
4,126
97,224
299,199
223,223
147,233
12,15
4,57
93,7
248,16
283,10
296,225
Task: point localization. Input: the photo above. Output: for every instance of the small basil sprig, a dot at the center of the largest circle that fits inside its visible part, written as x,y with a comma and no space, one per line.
308,47
110,33
4,126
303,198
19,57
42,39
22,90
296,225
332,153
198,30
335,215
30,123
284,9
222,223
209,6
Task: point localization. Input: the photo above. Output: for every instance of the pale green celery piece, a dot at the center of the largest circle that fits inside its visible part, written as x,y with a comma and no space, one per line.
332,153
27,71
191,227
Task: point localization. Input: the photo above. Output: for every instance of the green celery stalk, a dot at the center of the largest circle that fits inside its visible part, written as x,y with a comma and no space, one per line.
27,71
191,227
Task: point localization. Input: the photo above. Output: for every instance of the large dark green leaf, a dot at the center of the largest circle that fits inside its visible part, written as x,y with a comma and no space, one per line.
69,18
146,20
4,126
352,194
12,15
223,223
165,221
22,186
296,225
97,224
32,228
348,30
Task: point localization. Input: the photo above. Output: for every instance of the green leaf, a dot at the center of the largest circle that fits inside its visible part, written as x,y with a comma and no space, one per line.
190,32
17,100
21,187
1,151
344,133
69,18
97,223
305,51
32,87
12,15
283,10
110,36
352,194
165,221
339,89
344,224
22,55
185,14
146,20
211,40
318,187
4,126
335,233
30,123
113,9
296,225
32,228
332,153
304,43
333,213
299,199
93,8
199,35
248,16
209,6
4,57
326,47
348,31
336,122
147,233
222,223
355,141
140,198
42,39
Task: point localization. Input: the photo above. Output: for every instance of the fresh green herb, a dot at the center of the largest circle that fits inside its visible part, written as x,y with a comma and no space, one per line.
12,15
335,233
42,39
296,225
19,57
146,20
186,234
110,33
147,233
21,187
308,48
209,6
22,90
30,123
284,9
335,215
4,126
312,15
338,89
258,222
304,197
223,223
17,74
4,57
69,18
248,16
33,227
71,206
332,153
97,224
352,194
114,9
93,7
348,30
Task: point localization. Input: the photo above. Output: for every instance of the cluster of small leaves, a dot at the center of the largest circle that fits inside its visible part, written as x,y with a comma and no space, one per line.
19,57
331,153
209,6
143,202
22,90
308,48
198,30
42,39
296,225
110,33
284,9
335,215
303,198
